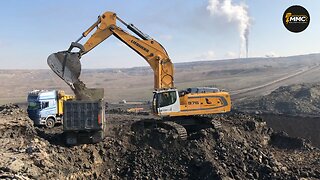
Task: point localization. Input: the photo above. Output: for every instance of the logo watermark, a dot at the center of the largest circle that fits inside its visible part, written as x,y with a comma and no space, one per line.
296,18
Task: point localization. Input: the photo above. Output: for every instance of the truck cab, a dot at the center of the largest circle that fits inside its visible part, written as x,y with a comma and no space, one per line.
45,107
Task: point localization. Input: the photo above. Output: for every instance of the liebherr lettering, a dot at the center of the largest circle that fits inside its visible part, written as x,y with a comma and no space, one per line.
139,45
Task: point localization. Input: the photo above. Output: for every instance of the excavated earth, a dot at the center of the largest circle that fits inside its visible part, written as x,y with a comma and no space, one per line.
294,109
243,148
295,100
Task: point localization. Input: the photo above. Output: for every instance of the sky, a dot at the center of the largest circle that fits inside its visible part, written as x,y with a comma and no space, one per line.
32,30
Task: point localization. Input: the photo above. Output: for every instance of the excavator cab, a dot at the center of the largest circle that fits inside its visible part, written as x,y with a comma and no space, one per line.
165,102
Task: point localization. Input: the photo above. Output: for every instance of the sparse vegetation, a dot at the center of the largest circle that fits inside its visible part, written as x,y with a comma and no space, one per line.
131,83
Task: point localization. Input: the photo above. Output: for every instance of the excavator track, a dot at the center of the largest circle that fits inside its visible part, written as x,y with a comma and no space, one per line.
196,123
179,125
179,129
156,123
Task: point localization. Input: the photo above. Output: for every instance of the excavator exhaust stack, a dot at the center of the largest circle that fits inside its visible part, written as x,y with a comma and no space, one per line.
66,65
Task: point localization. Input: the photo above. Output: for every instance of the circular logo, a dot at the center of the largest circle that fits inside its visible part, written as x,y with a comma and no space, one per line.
296,19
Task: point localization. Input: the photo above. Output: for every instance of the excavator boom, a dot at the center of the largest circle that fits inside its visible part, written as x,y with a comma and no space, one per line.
66,64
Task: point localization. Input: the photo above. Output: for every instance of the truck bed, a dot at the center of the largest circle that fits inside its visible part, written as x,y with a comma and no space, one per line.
83,115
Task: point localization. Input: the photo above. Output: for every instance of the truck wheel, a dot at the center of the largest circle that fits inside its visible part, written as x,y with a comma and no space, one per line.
70,139
50,122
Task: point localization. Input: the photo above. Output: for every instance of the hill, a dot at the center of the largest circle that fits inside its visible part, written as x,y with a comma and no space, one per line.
137,83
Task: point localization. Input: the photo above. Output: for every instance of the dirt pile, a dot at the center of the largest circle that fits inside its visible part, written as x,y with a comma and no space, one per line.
17,132
83,93
300,99
243,148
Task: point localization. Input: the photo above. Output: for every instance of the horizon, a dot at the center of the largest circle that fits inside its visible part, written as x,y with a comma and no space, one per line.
185,62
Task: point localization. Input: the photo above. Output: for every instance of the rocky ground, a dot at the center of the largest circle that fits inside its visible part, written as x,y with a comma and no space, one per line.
294,109
299,99
244,148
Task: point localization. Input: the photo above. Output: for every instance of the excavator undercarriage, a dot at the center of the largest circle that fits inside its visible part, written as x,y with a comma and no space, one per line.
180,126
176,128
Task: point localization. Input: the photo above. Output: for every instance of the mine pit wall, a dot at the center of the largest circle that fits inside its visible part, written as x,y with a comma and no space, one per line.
296,126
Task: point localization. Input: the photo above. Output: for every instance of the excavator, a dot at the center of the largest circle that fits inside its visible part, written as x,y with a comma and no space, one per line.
167,102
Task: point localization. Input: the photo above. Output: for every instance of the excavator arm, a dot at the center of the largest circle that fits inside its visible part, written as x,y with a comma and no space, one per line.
66,63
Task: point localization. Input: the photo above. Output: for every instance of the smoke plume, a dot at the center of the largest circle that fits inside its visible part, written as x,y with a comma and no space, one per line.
234,14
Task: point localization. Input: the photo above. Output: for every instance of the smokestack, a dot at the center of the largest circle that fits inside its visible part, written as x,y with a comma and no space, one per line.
234,13
247,42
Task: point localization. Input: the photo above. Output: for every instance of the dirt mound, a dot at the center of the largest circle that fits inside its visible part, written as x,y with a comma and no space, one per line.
295,126
283,140
300,99
15,124
243,148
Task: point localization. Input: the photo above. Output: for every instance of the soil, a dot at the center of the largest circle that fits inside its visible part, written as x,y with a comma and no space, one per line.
243,148
298,99
295,126
88,94
294,109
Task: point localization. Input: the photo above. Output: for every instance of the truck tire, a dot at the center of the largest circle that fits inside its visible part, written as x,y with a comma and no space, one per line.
70,139
50,122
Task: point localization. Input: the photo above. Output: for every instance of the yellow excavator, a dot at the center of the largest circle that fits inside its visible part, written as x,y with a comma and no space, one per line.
167,100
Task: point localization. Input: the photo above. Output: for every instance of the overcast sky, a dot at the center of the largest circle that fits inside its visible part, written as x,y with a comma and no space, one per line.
190,30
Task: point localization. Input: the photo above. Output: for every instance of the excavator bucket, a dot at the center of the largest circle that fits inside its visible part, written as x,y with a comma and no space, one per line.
66,65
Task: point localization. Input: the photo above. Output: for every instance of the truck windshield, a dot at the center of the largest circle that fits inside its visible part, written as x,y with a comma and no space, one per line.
166,98
33,105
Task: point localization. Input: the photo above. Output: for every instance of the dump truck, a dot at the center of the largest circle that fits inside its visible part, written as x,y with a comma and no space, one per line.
45,107
84,120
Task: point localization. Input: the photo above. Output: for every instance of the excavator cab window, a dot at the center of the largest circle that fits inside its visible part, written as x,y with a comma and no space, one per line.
166,98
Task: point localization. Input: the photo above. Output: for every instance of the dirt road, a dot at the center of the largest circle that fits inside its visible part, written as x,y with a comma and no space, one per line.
268,87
